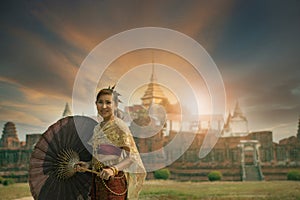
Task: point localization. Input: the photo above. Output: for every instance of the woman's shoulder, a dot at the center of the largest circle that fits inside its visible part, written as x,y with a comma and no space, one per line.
121,124
119,121
97,127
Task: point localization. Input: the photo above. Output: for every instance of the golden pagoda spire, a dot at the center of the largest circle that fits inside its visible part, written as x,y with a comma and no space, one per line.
153,93
153,78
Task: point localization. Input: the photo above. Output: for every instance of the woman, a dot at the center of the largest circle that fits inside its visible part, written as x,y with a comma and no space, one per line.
115,156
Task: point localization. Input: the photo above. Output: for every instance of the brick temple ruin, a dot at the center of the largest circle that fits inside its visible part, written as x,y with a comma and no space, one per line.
239,154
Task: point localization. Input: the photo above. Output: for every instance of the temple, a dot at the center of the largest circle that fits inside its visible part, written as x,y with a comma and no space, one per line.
153,93
236,124
67,111
15,154
9,137
239,154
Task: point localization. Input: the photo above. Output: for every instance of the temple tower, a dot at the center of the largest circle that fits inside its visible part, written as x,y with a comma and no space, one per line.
9,137
153,93
236,124
67,111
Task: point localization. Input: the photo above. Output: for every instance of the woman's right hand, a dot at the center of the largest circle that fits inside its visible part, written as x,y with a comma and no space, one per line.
81,166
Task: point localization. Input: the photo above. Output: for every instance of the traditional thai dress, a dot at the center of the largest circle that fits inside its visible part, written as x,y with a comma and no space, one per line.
112,144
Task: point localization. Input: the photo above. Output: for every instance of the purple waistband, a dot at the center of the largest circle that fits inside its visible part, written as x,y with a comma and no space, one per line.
107,149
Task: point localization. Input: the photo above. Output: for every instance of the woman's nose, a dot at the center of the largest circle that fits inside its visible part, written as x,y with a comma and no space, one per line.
104,105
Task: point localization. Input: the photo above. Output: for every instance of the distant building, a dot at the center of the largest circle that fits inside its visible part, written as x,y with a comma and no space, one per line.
9,139
153,93
15,154
238,153
236,124
67,111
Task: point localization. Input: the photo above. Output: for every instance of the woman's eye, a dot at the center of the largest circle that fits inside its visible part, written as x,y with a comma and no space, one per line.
104,102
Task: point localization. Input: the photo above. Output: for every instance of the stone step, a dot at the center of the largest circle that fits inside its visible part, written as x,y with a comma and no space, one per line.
252,173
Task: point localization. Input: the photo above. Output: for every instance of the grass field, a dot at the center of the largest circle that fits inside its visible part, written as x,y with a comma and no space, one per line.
14,191
167,190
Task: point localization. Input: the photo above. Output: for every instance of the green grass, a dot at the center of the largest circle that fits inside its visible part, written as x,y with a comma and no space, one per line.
14,191
164,190
172,190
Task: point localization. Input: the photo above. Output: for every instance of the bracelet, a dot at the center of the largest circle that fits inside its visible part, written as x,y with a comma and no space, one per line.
115,170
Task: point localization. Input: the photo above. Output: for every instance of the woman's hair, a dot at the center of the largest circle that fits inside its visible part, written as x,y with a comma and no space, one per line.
110,91
105,91
115,96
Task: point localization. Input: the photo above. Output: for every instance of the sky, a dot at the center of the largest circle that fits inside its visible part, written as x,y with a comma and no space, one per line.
255,45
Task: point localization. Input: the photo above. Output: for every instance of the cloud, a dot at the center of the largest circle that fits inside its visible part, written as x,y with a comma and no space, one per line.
44,64
8,114
87,24
28,107
45,42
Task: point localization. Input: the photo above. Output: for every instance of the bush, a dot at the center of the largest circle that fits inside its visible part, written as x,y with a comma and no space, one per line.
8,181
214,176
162,174
1,179
293,175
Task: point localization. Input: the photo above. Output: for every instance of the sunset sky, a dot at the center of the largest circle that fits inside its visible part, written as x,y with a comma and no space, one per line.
255,45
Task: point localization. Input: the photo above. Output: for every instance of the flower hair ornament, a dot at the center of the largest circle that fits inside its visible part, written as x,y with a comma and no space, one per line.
116,100
115,95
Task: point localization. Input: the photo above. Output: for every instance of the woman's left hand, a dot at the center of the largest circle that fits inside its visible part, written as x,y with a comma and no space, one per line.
106,173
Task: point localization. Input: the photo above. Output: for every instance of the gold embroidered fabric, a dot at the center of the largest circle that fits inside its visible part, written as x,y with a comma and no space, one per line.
117,133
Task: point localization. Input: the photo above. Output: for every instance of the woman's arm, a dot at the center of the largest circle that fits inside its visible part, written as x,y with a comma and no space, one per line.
113,170
126,162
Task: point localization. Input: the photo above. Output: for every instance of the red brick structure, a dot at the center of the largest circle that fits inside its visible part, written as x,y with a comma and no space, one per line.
238,154
14,155
274,161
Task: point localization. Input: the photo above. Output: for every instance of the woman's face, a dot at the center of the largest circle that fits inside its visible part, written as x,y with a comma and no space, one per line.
105,106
